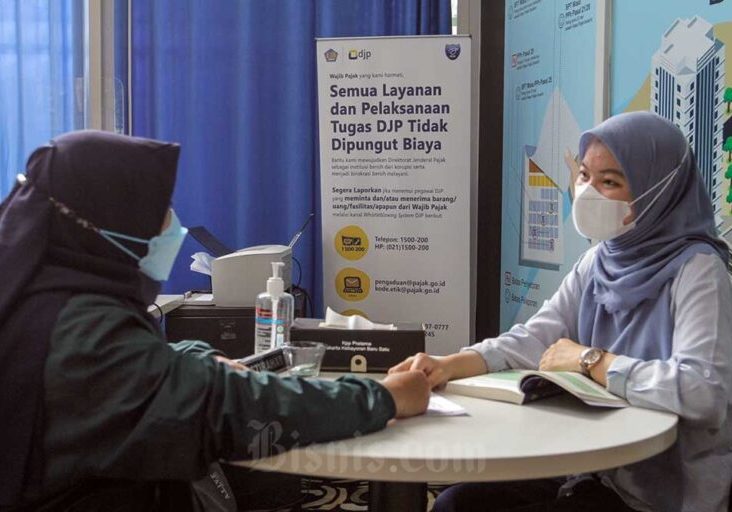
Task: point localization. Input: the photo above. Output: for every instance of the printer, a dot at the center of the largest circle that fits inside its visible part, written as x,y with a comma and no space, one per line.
237,278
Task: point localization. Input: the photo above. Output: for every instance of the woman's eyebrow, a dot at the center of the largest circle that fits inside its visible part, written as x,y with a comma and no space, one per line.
614,172
605,171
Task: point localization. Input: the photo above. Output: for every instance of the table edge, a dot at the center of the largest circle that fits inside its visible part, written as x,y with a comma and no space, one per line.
471,470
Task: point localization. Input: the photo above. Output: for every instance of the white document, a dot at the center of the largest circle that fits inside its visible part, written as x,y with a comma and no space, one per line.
202,263
441,406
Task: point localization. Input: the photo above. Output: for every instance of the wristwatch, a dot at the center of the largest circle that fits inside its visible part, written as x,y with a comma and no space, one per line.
589,357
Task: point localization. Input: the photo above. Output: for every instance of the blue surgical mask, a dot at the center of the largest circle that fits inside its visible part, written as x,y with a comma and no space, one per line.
162,249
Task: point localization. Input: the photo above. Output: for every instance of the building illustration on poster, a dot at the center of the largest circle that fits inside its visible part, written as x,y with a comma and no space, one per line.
679,66
688,88
546,187
541,244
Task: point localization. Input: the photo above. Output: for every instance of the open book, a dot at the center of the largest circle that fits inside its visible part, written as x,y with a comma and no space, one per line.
521,386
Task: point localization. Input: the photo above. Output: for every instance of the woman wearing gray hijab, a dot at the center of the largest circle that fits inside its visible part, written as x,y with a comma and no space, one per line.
647,313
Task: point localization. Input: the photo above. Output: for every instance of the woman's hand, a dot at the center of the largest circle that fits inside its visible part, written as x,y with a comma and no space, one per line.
434,368
441,369
563,355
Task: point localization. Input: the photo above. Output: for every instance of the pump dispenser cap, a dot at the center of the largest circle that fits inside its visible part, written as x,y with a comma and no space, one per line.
275,284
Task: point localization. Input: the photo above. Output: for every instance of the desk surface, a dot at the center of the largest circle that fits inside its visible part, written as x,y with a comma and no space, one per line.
498,441
165,303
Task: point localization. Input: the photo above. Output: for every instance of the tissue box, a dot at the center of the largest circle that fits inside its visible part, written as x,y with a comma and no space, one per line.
363,351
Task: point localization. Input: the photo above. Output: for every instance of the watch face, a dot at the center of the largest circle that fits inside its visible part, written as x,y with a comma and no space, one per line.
592,356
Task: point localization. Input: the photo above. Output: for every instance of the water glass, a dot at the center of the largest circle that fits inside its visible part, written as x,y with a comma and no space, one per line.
304,357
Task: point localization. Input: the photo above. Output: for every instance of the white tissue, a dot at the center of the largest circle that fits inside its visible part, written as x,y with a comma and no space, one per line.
202,263
352,322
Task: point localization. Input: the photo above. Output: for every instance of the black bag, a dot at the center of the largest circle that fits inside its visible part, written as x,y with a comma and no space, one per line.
213,493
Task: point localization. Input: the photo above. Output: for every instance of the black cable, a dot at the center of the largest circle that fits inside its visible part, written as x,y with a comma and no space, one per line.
299,272
160,310
298,293
308,301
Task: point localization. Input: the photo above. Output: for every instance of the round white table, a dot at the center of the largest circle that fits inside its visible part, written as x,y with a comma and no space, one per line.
497,441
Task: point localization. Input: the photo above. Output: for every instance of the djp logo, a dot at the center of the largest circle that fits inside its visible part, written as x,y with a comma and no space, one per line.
452,51
359,54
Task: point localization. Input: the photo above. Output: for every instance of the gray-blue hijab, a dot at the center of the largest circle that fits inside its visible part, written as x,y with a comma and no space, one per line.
626,305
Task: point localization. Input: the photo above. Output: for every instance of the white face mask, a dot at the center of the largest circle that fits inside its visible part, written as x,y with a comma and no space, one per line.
599,218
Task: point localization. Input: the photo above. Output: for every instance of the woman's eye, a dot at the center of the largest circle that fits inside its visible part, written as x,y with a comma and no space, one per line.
610,184
583,176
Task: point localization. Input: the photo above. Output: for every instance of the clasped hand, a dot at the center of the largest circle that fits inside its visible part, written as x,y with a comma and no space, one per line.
562,355
435,369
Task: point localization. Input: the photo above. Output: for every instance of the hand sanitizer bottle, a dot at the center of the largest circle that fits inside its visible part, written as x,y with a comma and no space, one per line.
274,313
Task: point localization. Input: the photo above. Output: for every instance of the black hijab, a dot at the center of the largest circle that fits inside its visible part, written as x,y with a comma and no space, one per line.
50,250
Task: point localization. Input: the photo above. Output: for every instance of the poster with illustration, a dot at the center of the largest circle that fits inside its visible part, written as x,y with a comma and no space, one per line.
555,75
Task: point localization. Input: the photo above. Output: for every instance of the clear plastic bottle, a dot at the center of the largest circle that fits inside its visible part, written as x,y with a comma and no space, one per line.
274,313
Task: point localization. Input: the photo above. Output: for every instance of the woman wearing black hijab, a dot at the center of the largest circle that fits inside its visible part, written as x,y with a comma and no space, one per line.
90,391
